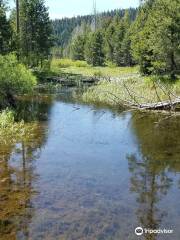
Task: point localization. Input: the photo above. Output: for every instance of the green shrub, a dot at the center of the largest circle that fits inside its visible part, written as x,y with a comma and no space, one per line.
15,78
6,119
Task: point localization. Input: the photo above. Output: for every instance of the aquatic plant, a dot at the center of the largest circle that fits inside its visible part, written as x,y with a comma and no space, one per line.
13,132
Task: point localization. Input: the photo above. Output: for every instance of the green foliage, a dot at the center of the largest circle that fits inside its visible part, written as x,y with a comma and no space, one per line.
6,119
98,74
139,36
118,39
13,132
60,66
64,28
156,37
5,30
164,23
15,78
110,41
94,52
35,38
82,40
78,47
57,52
81,64
66,63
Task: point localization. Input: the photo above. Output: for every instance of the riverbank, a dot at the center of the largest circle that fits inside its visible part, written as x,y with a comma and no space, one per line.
121,86
131,92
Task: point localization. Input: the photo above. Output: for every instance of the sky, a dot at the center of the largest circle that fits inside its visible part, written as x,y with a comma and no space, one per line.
70,8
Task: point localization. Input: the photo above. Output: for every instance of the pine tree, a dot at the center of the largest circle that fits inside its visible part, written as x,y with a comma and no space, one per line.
77,48
164,40
94,49
156,37
63,28
5,30
109,42
126,58
118,39
139,40
35,32
78,40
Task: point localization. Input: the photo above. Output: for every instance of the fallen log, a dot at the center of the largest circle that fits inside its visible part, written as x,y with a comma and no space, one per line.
71,79
165,105
170,104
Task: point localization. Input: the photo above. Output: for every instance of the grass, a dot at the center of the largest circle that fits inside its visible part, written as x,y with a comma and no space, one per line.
127,84
136,91
59,66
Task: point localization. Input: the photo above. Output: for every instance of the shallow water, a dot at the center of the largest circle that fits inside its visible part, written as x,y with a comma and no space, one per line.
90,173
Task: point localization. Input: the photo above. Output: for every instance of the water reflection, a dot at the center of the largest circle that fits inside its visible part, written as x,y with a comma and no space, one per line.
17,177
89,173
150,186
34,108
151,170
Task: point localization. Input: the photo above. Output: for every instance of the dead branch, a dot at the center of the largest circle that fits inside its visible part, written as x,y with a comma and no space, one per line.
160,105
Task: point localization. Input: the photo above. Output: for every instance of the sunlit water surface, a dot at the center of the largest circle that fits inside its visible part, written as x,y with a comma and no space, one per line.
91,173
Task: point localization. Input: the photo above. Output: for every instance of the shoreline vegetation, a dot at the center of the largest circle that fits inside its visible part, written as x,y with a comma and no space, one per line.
121,86
12,132
126,58
108,85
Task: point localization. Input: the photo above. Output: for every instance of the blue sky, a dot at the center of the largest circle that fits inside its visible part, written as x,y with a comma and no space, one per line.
70,8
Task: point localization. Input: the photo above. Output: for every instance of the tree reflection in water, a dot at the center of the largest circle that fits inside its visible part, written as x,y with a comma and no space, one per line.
150,186
17,176
151,169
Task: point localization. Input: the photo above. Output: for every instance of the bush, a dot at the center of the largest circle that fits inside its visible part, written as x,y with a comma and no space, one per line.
15,78
6,119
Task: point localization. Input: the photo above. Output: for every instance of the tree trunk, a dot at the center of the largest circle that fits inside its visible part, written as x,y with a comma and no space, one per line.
17,17
173,66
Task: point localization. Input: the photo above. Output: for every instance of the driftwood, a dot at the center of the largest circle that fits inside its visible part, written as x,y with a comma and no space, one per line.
165,105
67,81
170,105
133,103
